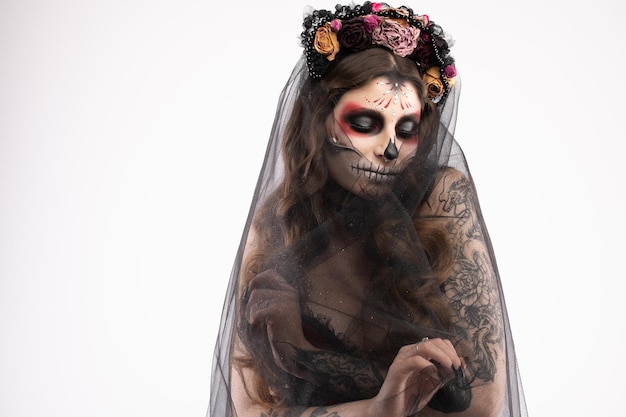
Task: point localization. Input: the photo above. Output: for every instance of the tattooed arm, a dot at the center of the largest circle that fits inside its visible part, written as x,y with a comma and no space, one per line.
472,291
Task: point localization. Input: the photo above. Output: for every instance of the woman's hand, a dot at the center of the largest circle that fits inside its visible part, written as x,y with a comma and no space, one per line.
416,374
273,313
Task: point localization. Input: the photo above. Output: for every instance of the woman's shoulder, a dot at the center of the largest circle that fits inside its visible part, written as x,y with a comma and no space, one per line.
451,194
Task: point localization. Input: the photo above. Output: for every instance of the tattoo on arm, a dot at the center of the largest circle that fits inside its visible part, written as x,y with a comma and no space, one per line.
322,411
295,412
472,287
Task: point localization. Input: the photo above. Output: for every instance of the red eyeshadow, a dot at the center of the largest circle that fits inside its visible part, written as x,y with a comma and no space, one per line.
351,108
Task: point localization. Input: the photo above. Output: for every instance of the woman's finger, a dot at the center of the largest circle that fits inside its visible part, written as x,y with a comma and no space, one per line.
440,351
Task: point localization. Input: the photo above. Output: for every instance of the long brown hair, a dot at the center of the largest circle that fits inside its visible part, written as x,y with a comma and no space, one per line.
301,204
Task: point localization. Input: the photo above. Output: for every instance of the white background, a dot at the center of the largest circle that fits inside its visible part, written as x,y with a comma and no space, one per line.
131,135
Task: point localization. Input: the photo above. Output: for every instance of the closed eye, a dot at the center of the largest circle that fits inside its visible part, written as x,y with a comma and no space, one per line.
365,122
407,128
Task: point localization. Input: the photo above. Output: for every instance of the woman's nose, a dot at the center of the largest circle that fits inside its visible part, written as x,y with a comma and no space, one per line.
391,151
387,148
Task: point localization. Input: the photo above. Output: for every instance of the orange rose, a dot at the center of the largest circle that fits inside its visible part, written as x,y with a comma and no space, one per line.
326,42
432,79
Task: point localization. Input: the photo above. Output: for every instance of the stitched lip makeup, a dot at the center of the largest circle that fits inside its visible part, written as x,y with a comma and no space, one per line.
374,173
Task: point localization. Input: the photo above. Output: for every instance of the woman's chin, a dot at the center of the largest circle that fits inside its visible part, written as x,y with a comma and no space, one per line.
371,190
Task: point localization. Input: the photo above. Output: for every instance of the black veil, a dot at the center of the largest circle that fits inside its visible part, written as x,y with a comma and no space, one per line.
311,385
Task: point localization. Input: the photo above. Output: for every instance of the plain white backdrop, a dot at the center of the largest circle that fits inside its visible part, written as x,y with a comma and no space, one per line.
131,135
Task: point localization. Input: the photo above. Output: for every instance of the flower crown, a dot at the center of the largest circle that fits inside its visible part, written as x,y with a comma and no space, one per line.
327,36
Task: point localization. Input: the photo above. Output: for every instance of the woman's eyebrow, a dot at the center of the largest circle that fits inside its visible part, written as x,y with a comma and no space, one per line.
353,107
364,111
416,115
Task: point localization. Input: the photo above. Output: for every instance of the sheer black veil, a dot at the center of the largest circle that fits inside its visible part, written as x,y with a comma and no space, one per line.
446,152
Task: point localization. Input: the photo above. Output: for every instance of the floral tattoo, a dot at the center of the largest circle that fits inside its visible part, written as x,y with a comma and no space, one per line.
471,288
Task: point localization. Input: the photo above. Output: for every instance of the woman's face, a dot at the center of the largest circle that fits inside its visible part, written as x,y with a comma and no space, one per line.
366,121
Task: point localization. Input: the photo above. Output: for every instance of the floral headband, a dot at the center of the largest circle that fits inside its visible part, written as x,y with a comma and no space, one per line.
328,36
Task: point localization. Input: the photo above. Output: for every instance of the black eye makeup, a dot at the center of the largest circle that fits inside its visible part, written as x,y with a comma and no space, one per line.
407,128
368,122
365,122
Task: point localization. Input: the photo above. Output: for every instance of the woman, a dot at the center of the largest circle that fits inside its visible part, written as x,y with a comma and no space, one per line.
366,284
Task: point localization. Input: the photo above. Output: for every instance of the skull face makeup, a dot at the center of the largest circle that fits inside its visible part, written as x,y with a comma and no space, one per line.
375,134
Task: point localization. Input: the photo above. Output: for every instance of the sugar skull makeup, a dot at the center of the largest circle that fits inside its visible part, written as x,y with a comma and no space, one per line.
374,135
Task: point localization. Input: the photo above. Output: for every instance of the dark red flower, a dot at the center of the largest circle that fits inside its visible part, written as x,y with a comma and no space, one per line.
354,35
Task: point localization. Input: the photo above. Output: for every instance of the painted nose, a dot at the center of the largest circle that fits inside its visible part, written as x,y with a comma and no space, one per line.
387,148
391,151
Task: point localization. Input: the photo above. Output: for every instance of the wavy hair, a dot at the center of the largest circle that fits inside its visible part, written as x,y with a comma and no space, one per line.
307,198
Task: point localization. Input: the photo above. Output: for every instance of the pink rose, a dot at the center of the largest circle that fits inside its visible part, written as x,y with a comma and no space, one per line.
376,7
371,22
335,25
400,39
449,71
